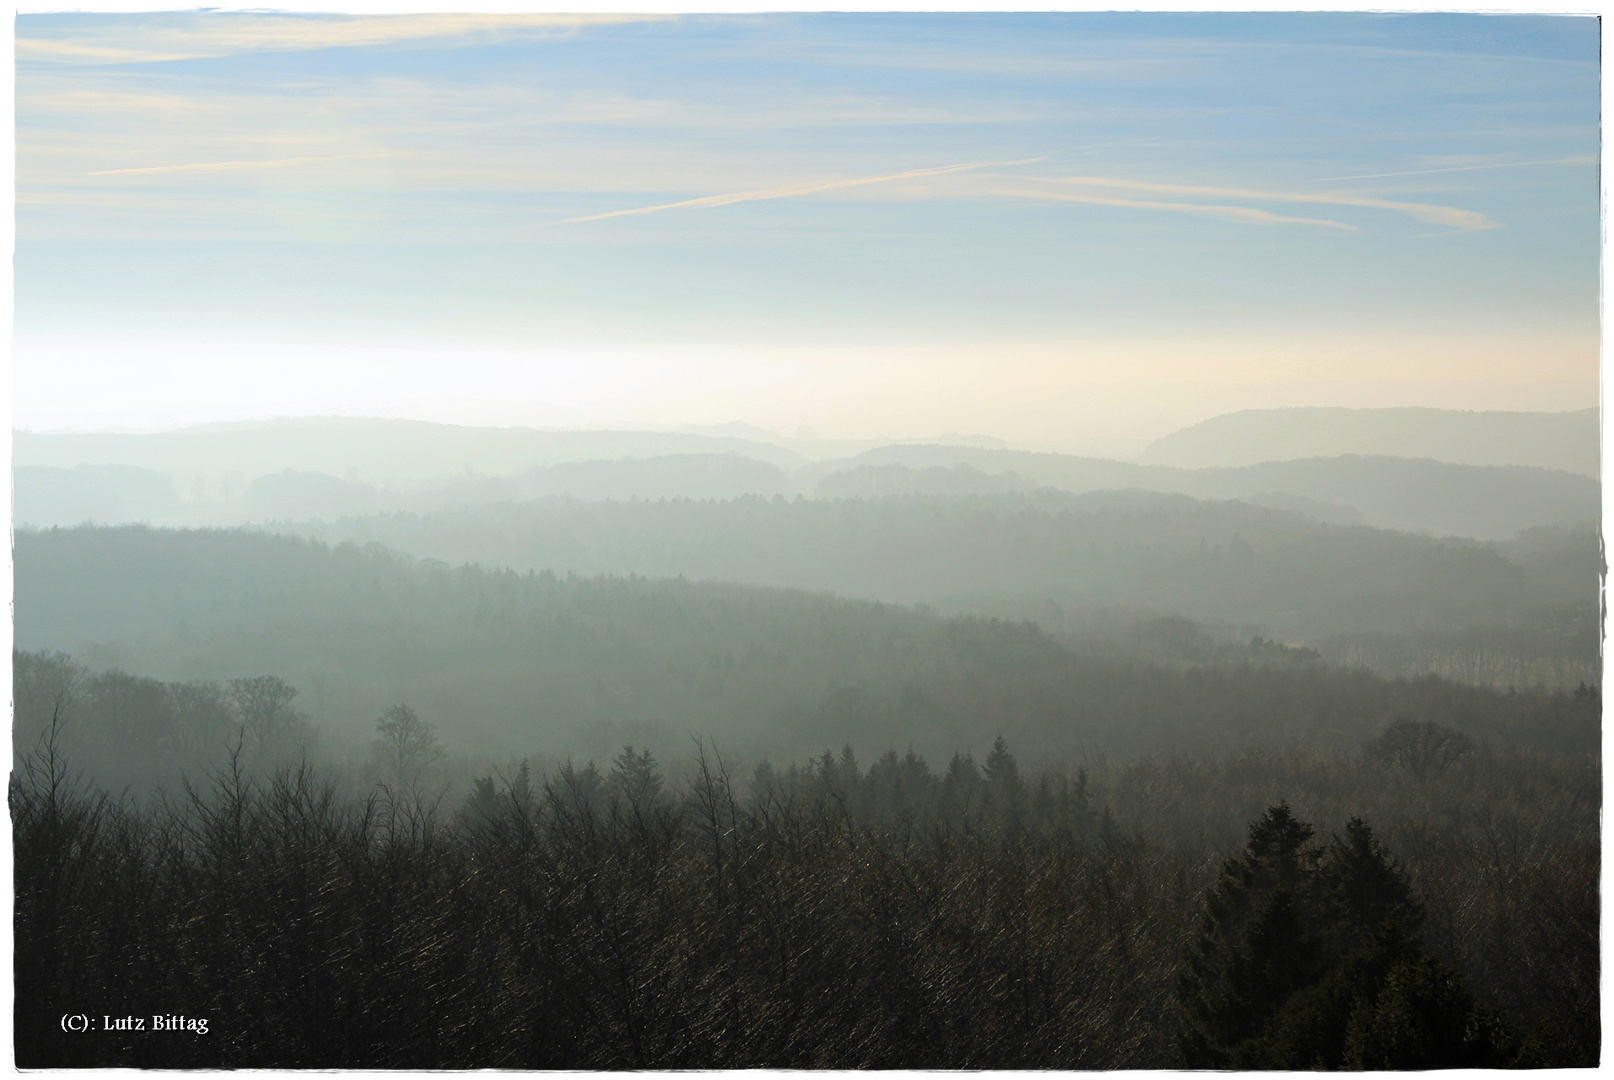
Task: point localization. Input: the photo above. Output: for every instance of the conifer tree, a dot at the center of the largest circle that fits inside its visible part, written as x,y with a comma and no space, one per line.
636,777
1310,958
1254,947
1005,790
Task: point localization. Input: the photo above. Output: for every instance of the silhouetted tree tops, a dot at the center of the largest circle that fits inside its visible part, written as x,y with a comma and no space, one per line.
824,914
1310,957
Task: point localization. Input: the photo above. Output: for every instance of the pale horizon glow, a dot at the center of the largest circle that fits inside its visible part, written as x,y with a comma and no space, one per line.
1059,230
1125,393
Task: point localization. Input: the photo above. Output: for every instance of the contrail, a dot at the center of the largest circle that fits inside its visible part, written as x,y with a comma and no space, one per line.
792,190
1449,216
1581,159
1247,214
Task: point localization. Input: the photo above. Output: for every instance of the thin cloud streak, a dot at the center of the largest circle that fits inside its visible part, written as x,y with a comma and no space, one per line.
794,190
217,166
1579,159
1246,214
228,34
1429,213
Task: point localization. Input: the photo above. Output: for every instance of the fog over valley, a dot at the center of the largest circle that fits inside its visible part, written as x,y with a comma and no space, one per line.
807,541
1106,558
1014,651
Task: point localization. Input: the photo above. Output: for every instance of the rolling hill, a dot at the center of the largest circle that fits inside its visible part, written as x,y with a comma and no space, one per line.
1567,441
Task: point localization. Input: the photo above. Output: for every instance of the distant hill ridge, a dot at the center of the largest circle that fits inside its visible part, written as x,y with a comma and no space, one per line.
327,468
371,449
1568,441
1419,495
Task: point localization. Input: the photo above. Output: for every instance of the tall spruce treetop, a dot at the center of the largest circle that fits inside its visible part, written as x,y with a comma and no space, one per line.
1005,790
1370,893
636,776
1254,947
1309,957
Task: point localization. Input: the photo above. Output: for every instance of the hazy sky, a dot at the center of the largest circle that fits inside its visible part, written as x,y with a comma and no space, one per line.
1050,228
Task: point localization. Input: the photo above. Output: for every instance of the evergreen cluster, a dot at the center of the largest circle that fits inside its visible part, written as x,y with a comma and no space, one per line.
1309,957
821,915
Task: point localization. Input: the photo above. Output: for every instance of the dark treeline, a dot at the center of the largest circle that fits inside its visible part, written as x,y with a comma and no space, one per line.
539,663
127,729
824,914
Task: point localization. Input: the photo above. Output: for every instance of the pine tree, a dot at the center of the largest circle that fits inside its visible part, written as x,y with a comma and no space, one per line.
1254,947
481,810
488,810
1005,791
1310,958
849,781
636,777
579,791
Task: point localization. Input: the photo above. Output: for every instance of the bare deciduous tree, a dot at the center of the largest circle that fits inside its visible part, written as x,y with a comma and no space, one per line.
263,708
406,744
1422,746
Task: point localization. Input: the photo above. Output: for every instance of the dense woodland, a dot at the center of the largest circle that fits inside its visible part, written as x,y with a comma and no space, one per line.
827,914
1068,563
361,809
537,664
1230,561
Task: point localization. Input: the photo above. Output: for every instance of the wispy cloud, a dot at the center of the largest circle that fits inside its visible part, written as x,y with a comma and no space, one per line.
1246,214
194,37
1578,159
1056,189
1448,216
789,191
227,166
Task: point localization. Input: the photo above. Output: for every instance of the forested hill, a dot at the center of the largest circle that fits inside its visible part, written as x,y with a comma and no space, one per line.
1487,502
1280,572
510,663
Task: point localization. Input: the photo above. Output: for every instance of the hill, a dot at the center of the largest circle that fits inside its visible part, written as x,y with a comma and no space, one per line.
329,468
507,663
1484,502
1568,441
371,451
1272,572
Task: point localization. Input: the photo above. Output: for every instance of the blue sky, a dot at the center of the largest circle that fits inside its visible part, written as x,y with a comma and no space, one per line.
1051,228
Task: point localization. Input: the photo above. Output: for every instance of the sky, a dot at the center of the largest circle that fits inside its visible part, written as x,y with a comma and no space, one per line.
1076,231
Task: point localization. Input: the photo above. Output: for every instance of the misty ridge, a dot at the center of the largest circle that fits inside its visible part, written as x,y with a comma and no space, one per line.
1484,573
1561,441
1488,476
928,755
